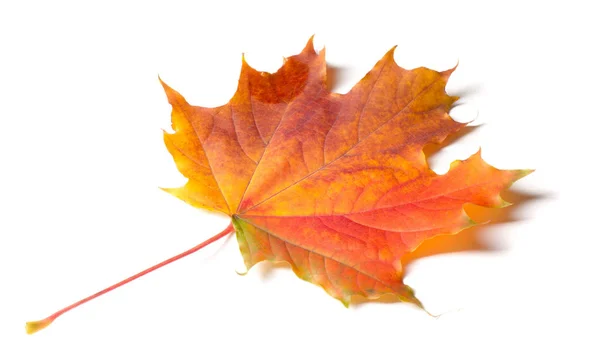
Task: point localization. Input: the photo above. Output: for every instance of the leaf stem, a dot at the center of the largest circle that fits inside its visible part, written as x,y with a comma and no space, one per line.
35,326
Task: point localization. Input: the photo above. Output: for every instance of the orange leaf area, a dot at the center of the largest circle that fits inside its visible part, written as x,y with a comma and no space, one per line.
337,185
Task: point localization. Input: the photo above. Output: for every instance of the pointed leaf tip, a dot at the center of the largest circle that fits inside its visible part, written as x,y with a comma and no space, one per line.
389,55
504,203
165,87
446,74
163,83
172,95
239,273
525,172
310,46
391,51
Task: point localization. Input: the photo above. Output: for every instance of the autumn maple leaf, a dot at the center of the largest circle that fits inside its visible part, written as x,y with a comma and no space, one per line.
337,185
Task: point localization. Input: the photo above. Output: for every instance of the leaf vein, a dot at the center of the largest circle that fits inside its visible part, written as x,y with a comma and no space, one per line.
343,154
317,253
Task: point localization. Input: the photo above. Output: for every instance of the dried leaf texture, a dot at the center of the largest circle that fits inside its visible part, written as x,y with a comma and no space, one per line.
336,185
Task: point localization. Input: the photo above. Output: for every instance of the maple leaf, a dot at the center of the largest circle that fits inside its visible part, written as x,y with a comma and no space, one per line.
337,185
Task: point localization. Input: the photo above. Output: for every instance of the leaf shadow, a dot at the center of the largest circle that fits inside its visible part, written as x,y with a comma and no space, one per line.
224,243
469,240
337,77
359,301
473,239
432,149
466,91
267,269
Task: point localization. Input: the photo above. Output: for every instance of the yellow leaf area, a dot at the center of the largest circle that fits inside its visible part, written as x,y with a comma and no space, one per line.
337,185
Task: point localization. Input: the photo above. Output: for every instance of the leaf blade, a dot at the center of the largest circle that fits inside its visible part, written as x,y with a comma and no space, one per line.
336,185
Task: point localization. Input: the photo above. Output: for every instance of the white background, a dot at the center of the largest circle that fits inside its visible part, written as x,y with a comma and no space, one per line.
82,157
